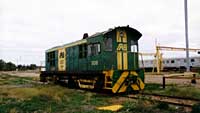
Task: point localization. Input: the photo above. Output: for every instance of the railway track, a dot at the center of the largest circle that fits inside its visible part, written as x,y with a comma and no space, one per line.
173,100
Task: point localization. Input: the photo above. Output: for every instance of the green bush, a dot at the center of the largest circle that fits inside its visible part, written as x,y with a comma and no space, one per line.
7,66
163,105
196,108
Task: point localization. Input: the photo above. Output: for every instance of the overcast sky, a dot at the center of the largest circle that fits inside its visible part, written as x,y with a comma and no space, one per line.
29,27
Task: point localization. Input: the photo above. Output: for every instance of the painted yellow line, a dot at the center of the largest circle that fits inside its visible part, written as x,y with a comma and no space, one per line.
139,85
118,36
123,88
125,37
119,60
135,87
120,81
133,73
61,59
110,108
125,58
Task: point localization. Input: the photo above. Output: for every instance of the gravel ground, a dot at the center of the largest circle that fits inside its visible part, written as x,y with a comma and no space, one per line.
21,73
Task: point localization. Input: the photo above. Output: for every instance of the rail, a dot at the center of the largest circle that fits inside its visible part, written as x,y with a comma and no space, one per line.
173,100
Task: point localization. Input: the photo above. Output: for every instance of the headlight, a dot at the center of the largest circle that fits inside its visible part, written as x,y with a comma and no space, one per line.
121,34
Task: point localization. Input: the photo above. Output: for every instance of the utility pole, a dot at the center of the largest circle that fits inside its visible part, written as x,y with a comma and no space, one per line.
186,35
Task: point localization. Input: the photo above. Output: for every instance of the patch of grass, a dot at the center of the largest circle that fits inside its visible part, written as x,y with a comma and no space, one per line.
162,105
37,103
152,87
173,90
38,99
186,91
144,106
48,98
99,100
58,99
6,79
51,98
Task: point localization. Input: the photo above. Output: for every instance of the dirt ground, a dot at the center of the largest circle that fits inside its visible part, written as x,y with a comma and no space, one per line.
159,80
21,73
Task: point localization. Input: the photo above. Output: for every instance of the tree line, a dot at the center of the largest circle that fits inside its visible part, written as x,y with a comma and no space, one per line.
9,66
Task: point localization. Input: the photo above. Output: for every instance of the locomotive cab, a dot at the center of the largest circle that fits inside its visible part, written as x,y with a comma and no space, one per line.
122,43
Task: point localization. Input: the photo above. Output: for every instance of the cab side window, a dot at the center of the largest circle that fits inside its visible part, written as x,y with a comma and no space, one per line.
94,49
108,44
51,58
62,55
83,51
134,47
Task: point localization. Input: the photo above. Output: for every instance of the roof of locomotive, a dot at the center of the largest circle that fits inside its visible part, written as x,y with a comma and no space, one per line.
136,32
82,41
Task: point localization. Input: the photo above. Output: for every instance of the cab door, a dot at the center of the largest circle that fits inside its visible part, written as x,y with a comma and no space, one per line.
62,59
122,57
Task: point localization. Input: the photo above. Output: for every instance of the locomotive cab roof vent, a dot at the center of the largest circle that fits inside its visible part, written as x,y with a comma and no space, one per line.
85,35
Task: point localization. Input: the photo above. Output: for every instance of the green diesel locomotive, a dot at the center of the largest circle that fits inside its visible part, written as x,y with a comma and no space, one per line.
105,60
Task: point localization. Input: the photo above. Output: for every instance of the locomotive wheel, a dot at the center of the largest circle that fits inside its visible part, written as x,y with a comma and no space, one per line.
42,78
72,83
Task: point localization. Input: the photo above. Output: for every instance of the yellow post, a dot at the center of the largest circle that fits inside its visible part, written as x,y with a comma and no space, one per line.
157,61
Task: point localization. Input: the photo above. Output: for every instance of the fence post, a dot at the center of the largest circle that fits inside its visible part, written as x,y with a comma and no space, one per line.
163,82
193,81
